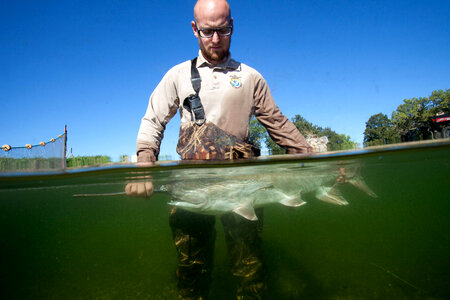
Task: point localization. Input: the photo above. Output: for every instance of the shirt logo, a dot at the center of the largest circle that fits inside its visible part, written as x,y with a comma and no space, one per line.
235,81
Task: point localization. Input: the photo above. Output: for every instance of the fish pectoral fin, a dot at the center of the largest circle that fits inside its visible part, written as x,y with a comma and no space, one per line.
247,211
361,185
293,201
331,195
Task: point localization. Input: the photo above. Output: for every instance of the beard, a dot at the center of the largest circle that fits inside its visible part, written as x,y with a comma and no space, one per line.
215,55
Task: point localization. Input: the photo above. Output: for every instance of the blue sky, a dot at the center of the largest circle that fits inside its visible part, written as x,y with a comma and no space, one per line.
93,64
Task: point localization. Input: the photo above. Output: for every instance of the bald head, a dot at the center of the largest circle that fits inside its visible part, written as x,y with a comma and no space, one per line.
205,10
213,15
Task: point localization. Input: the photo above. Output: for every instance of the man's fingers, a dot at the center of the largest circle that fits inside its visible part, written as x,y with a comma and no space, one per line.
144,189
128,189
139,189
148,188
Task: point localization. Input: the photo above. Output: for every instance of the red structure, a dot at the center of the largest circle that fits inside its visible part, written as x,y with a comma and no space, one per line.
441,126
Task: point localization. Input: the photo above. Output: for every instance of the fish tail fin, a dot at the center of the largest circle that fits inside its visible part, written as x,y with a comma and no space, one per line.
361,185
358,182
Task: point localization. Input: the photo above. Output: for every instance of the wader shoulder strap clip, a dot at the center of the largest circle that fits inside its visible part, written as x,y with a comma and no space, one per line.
192,103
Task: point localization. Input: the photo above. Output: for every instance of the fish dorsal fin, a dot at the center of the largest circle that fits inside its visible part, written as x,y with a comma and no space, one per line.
247,211
331,195
293,201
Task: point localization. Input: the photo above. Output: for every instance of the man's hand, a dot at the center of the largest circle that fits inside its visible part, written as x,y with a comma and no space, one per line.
139,189
342,176
143,189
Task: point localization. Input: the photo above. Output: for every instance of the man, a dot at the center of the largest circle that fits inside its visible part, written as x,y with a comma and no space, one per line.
215,108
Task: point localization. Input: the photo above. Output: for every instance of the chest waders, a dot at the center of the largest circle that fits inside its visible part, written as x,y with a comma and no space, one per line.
202,139
194,234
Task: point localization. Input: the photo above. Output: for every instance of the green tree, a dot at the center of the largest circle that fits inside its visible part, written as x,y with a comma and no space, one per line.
440,101
273,148
412,115
306,128
379,131
413,118
336,141
80,161
257,133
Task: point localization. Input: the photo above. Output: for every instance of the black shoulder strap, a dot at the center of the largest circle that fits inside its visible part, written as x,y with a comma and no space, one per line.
195,76
192,103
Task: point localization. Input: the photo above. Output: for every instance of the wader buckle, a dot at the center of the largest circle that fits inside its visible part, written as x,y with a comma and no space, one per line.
193,104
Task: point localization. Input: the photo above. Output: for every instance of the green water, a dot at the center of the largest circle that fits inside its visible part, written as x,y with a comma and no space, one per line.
395,246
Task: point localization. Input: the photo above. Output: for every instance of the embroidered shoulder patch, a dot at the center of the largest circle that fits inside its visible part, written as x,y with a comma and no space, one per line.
235,81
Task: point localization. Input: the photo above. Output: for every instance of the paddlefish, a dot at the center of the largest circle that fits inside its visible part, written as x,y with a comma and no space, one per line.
241,190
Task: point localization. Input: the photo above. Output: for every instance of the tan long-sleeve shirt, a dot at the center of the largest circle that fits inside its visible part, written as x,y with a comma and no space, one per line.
230,93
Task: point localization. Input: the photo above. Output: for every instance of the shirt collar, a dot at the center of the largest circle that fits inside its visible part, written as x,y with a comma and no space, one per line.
228,64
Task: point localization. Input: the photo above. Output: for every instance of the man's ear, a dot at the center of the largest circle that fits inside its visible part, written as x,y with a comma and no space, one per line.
194,29
232,26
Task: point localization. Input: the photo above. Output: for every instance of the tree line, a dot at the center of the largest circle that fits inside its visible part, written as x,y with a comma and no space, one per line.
412,120
82,161
259,136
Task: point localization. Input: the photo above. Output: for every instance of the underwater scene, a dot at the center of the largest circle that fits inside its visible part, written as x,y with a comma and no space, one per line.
365,224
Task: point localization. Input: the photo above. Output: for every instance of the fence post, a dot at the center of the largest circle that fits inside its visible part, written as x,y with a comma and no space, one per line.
65,148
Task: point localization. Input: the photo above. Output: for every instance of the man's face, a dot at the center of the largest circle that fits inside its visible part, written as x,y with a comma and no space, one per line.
216,48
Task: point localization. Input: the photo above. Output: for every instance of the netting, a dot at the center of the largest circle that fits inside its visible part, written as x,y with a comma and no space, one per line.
45,156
